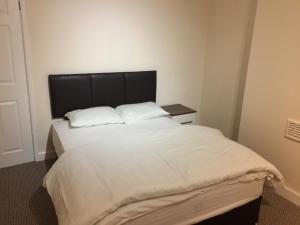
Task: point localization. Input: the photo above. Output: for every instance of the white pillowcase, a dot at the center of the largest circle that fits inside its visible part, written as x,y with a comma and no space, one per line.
132,113
93,116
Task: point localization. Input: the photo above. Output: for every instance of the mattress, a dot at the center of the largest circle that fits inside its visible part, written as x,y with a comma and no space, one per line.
197,205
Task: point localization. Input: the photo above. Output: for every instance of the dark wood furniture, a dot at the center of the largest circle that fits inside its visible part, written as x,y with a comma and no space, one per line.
181,113
178,109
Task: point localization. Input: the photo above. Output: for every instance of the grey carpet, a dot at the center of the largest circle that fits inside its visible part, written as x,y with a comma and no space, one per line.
275,210
23,200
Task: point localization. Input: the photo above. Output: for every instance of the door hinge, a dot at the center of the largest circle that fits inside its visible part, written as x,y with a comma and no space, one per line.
19,3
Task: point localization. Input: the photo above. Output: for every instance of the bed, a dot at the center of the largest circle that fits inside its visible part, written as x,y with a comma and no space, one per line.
109,157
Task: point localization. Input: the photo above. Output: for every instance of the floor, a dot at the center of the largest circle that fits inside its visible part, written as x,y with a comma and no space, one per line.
23,200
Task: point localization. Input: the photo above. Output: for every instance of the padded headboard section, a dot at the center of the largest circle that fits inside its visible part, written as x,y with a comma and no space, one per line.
79,91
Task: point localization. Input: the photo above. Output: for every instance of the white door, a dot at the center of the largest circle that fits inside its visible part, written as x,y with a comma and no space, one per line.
15,129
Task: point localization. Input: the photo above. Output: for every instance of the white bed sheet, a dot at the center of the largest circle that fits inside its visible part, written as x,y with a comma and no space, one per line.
217,200
65,137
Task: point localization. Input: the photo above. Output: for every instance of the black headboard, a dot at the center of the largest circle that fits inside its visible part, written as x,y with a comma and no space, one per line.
79,91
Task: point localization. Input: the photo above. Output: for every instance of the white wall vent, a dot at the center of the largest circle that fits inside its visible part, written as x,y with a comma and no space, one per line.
293,130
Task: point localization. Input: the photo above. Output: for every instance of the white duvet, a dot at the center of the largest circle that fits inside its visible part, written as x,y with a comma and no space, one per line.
93,182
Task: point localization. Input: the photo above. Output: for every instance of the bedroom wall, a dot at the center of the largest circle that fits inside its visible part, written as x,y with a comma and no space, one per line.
121,35
229,34
272,93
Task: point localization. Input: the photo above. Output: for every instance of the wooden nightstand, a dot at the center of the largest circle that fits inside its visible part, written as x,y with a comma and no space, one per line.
181,113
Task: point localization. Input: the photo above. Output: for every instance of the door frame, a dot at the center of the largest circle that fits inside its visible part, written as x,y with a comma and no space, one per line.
38,156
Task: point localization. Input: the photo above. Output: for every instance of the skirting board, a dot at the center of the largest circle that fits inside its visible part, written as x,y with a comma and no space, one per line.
288,193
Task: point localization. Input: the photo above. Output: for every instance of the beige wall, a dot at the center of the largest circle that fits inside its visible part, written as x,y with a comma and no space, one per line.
229,34
272,93
122,35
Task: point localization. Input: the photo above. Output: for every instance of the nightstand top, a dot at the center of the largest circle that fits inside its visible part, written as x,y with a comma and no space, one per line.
178,109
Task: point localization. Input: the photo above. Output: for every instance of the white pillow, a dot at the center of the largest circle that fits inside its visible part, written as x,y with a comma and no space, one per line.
131,113
93,116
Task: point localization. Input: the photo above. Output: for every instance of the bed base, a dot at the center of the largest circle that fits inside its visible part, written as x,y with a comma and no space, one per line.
244,215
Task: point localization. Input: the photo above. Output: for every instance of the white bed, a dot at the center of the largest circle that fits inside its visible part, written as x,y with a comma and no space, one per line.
177,209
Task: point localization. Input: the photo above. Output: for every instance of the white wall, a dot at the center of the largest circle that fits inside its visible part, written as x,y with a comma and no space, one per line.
272,93
229,34
121,35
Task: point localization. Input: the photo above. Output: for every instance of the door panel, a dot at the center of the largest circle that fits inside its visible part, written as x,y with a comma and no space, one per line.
3,5
15,129
6,60
10,137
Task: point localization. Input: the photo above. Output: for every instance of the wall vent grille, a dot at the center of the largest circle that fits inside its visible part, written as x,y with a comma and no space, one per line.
293,130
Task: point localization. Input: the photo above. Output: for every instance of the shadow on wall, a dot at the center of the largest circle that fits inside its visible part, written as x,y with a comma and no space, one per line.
227,57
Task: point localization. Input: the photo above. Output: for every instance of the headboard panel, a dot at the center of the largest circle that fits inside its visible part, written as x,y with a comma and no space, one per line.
69,92
79,91
108,89
140,87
